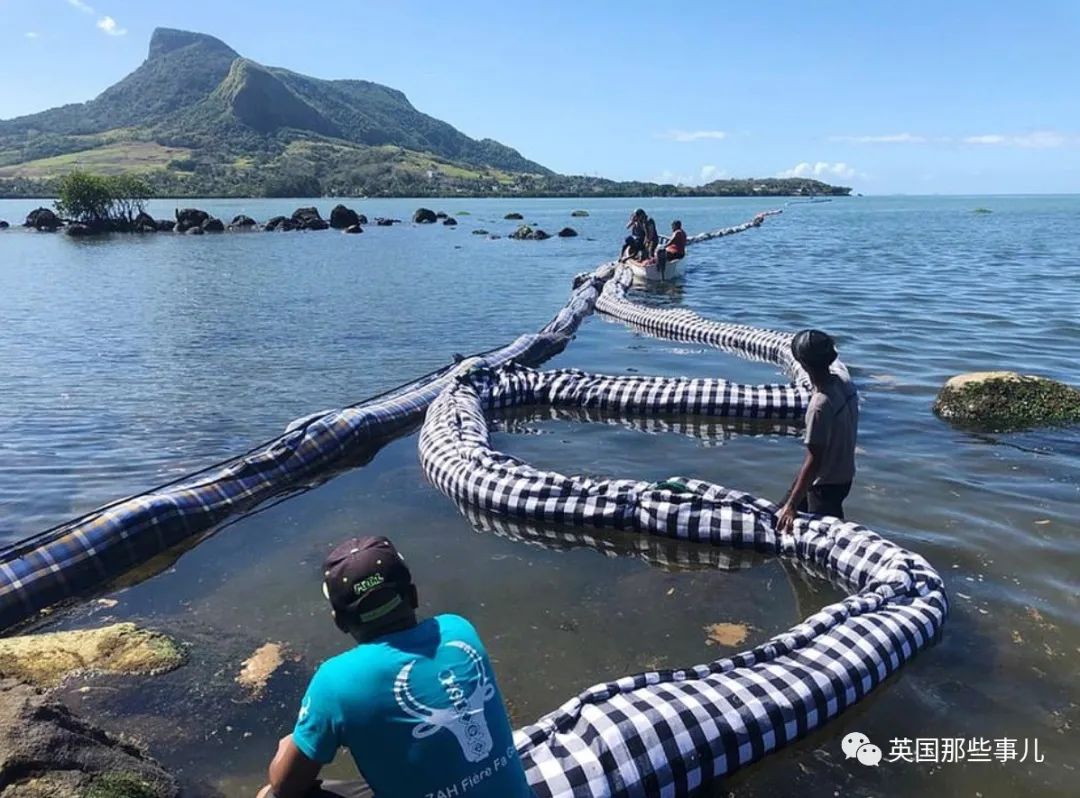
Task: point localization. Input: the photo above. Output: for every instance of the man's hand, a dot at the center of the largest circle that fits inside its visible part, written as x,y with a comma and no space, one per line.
785,519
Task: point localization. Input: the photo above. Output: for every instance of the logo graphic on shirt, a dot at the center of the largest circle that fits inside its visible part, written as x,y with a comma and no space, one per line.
305,709
464,718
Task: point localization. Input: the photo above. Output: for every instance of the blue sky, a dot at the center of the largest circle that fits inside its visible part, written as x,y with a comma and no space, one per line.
914,97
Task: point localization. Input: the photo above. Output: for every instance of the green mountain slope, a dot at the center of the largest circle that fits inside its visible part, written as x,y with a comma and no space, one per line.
197,118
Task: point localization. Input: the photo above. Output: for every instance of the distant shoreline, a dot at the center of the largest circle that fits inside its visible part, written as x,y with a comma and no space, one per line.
688,195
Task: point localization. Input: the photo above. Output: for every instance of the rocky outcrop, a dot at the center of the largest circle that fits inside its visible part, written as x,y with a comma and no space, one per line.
279,223
42,219
361,219
4,225
194,231
45,659
189,218
383,222
450,221
526,233
213,225
144,223
480,232
165,225
579,213
441,215
47,752
309,219
342,217
514,216
1004,401
567,232
242,222
424,216
353,228
80,230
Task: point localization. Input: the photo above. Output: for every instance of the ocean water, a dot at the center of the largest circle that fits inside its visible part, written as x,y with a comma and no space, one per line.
132,360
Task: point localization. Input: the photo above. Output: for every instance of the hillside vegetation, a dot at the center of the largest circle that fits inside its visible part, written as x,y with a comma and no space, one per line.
197,118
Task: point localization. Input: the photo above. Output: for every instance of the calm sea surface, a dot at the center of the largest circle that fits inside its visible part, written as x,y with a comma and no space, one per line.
129,361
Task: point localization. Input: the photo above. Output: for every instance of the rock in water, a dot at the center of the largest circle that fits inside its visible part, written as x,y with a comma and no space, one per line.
361,219
342,218
280,223
42,219
165,225
1003,401
480,232
194,231
144,223
4,225
514,216
567,232
79,230
580,213
213,225
539,235
188,218
450,221
242,222
353,228
523,233
47,752
309,219
381,222
424,216
441,215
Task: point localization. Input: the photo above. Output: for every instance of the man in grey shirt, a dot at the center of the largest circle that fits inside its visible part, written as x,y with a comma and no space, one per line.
832,425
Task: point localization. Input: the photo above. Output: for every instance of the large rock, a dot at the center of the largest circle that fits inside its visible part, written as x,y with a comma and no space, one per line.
450,221
516,216
567,232
213,225
526,233
242,222
1002,401
309,219
80,230
45,659
342,217
165,225
279,223
4,225
144,223
47,752
442,215
42,219
424,216
539,235
189,218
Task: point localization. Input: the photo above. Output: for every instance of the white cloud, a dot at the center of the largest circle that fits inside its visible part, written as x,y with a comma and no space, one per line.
693,135
704,175
890,138
109,26
81,6
31,34
1038,139
821,169
710,172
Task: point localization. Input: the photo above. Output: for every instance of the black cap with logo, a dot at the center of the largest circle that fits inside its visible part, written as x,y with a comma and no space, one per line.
367,582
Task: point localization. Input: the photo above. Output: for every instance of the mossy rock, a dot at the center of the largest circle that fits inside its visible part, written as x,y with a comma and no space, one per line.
45,659
121,785
1004,401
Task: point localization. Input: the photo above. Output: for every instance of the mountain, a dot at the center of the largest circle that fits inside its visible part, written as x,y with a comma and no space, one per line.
197,118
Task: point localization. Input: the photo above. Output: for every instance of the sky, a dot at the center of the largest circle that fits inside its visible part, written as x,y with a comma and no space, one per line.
901,97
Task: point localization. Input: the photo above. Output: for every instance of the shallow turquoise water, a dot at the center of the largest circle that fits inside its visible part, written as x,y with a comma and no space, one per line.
133,360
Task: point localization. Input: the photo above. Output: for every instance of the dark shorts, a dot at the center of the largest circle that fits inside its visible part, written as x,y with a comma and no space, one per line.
634,245
340,789
825,500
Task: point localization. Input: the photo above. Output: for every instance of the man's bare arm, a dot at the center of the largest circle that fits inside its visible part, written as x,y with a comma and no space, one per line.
291,773
803,480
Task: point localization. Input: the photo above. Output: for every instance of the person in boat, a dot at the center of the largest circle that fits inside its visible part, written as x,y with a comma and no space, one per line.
415,702
634,245
832,426
675,249
652,239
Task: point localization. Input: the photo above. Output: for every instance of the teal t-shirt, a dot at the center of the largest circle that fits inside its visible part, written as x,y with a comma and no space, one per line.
421,713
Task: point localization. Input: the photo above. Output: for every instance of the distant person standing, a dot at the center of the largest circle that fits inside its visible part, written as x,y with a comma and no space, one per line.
832,426
415,702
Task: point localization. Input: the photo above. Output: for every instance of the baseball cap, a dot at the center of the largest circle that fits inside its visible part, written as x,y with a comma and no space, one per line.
366,580
813,348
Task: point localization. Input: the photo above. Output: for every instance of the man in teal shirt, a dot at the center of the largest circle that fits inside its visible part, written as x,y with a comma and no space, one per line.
416,703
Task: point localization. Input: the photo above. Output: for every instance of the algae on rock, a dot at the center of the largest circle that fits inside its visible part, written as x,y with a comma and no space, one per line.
1004,401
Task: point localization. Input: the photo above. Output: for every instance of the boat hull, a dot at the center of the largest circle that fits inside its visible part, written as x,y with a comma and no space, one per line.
650,272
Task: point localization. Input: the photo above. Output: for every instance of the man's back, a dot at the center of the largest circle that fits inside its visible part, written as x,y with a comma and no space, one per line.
421,713
832,422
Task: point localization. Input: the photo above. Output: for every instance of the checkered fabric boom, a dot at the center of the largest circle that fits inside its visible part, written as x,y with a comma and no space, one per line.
665,733
90,551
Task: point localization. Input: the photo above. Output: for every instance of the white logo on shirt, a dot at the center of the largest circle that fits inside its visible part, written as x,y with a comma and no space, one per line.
464,718
305,709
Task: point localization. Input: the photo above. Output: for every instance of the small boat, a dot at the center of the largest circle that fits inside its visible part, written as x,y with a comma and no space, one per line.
646,270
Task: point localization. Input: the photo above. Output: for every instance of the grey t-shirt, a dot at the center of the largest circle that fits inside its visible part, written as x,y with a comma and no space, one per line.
832,422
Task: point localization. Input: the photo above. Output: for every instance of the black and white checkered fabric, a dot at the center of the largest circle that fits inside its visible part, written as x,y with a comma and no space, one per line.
665,733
